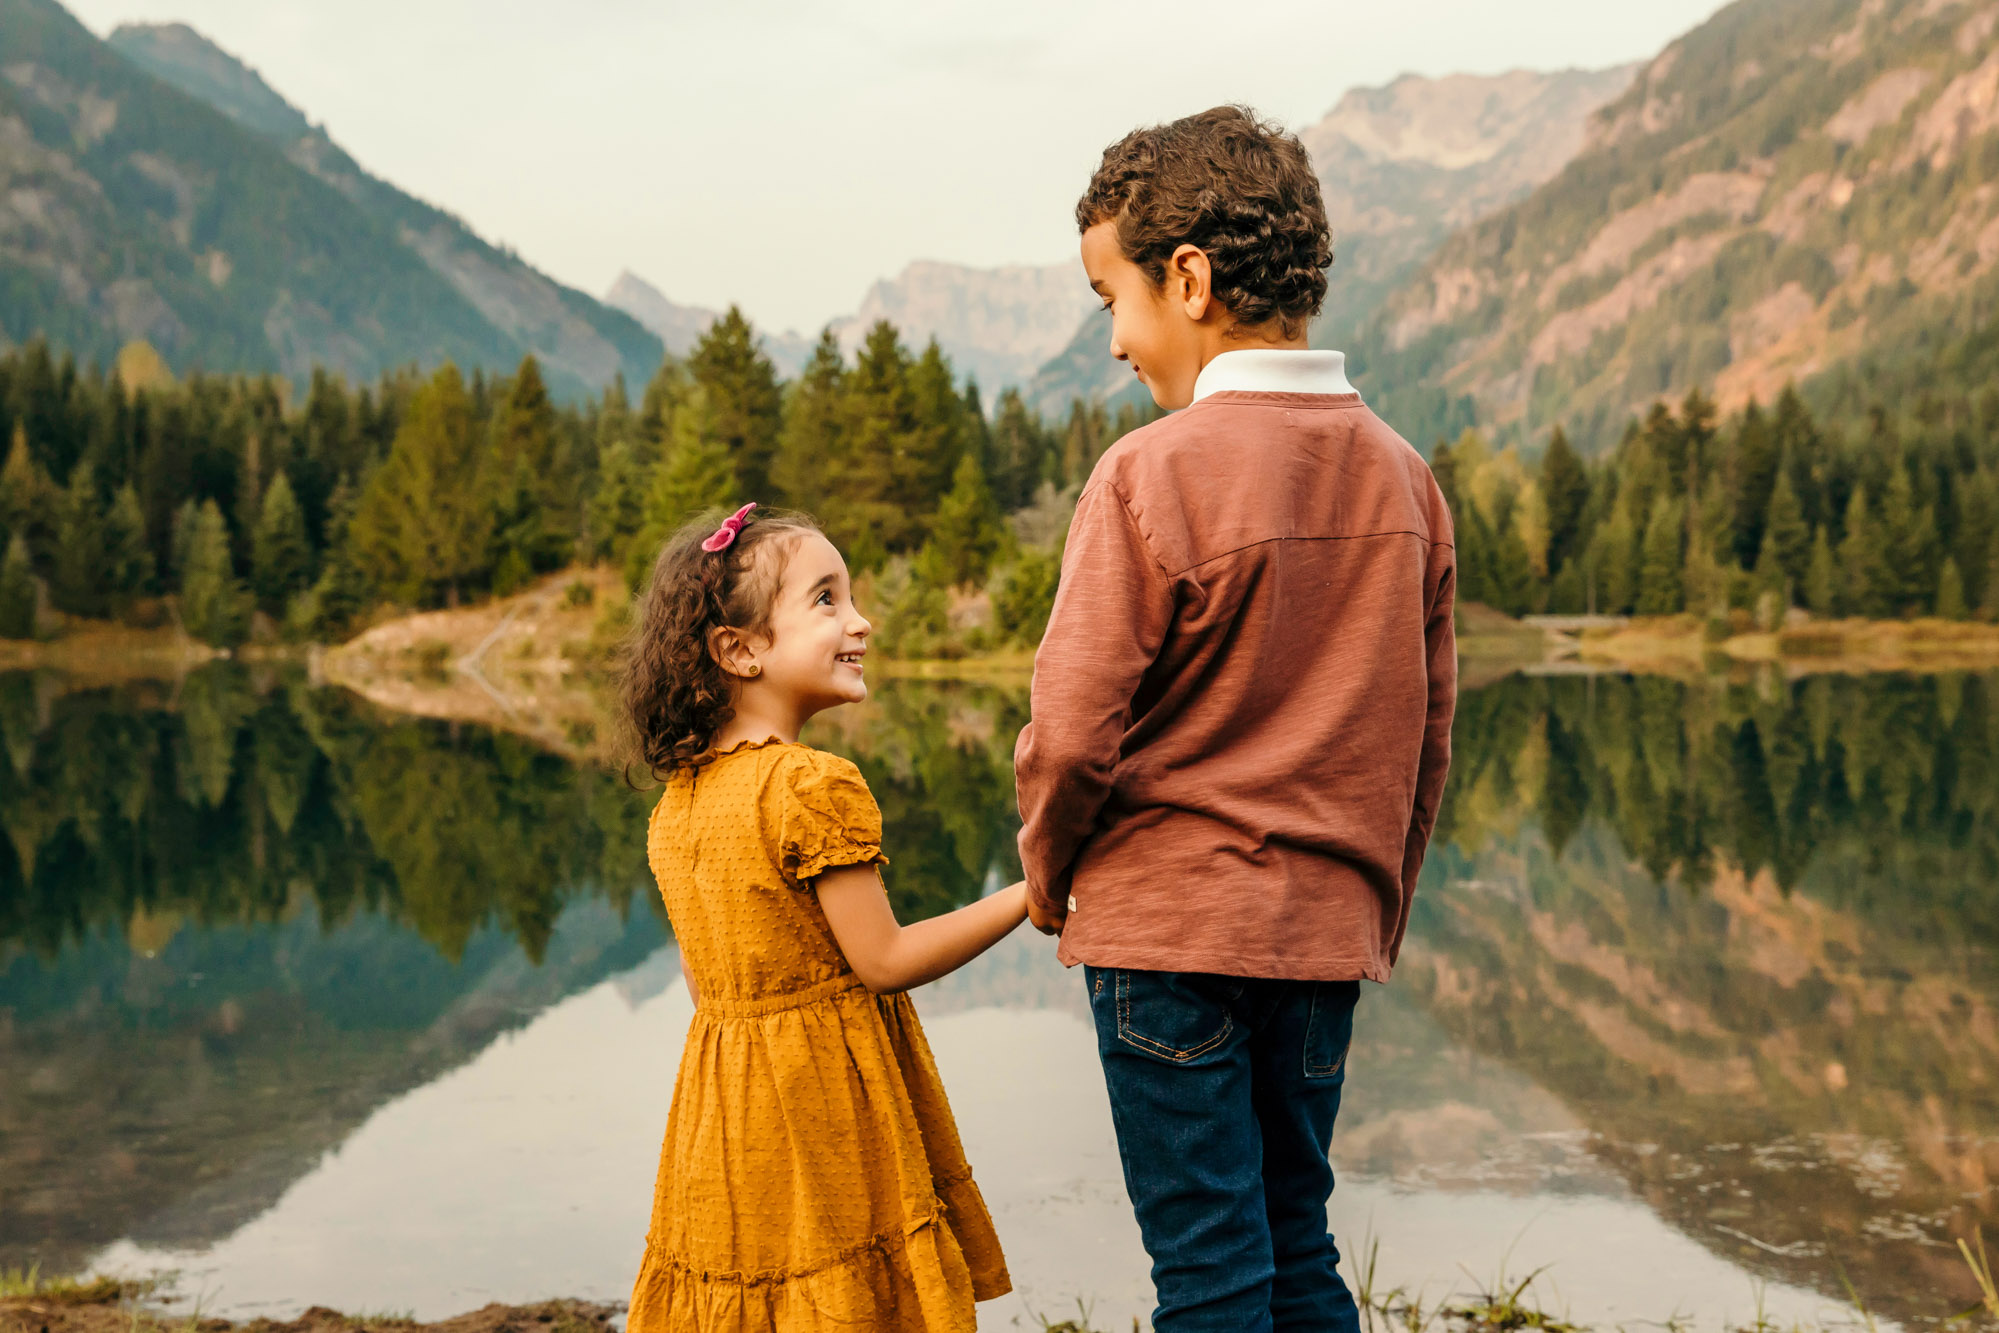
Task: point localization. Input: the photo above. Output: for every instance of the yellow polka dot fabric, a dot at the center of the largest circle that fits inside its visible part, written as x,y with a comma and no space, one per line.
812,1177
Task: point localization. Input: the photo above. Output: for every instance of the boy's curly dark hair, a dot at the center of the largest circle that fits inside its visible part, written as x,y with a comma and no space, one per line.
675,695
1239,187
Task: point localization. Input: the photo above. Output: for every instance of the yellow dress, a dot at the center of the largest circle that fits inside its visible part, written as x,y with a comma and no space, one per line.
812,1176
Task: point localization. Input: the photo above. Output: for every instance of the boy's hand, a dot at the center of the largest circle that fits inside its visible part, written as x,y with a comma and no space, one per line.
1045,921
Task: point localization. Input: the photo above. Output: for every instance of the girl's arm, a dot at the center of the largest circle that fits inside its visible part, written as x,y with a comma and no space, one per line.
888,956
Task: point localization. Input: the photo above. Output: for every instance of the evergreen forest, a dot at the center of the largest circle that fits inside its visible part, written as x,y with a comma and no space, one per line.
235,505
1884,517
232,505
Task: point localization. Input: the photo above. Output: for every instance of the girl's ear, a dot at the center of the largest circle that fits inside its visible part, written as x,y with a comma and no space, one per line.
735,654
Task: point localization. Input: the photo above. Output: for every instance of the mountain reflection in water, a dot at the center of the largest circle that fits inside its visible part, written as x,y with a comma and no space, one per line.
1714,960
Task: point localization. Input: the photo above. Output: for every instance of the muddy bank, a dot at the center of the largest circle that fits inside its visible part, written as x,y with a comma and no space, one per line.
109,1306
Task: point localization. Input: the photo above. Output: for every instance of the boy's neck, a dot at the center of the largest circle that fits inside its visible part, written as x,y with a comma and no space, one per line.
1271,337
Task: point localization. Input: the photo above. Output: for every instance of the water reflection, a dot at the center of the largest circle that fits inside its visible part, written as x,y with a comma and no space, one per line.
1700,987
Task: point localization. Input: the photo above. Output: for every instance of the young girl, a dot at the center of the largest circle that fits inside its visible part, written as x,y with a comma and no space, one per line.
811,1176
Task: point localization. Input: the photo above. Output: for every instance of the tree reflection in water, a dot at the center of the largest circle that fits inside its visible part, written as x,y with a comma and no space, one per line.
1744,933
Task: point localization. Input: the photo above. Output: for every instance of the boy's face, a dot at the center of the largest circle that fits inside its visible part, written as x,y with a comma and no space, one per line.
1165,331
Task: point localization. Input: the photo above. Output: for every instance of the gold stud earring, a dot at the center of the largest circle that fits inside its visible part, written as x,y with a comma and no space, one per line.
754,670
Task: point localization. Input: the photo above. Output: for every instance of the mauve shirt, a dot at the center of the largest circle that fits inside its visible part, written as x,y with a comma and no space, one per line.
1242,706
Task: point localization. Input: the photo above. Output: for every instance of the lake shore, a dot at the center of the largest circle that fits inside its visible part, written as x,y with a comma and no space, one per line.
1686,645
539,663
113,1305
108,1305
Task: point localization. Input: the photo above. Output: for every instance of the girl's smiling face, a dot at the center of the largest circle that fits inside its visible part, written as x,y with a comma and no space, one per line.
811,660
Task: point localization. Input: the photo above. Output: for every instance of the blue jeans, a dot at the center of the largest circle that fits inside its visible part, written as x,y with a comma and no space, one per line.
1223,1092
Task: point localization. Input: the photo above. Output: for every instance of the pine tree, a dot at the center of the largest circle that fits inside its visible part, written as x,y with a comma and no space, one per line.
342,591
280,558
28,499
939,436
745,406
214,607
694,477
1786,538
1752,484
1860,591
1950,603
78,585
1822,578
18,593
1659,588
617,509
422,526
1802,449
879,427
128,559
1904,574
1616,558
813,431
527,483
1020,448
663,396
1565,491
969,529
1510,581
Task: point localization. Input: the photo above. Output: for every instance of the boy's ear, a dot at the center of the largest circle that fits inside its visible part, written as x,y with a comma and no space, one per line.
735,654
1190,281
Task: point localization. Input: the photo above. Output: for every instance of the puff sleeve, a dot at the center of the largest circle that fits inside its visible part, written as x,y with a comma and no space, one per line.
819,814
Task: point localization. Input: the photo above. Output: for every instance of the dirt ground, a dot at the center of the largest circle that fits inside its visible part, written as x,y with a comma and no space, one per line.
120,1308
531,663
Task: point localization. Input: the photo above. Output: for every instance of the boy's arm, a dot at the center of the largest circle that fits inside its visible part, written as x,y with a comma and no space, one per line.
1440,641
1111,613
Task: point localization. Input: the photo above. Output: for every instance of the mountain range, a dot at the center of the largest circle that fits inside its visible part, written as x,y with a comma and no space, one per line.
156,190
1796,190
998,325
679,327
579,341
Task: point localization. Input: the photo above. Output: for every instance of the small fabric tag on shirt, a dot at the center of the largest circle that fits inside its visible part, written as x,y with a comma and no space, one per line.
1072,902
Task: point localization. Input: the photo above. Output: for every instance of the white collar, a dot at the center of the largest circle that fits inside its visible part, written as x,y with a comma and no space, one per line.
1273,370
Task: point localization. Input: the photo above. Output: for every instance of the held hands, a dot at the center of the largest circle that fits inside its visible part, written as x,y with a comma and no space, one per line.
1046,921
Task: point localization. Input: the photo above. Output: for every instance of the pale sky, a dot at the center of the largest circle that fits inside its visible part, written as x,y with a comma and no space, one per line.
784,154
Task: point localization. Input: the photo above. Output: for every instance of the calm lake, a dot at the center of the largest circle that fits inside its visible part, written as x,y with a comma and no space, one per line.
1699,1009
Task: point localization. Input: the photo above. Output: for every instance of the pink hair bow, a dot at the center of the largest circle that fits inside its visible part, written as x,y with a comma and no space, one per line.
725,536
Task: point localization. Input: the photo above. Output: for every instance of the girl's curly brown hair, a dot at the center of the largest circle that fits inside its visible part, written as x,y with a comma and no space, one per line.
1239,187
675,695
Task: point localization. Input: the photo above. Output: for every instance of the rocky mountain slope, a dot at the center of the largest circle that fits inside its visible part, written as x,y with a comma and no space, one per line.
1401,168
131,208
1795,190
580,342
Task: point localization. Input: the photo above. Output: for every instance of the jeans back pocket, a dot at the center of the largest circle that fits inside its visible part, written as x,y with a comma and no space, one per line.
1329,1028
1175,1016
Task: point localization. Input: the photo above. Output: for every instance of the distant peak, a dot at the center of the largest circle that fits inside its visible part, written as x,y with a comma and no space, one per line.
178,55
1460,120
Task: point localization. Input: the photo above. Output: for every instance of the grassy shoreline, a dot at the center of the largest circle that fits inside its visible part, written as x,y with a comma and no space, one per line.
103,1304
539,662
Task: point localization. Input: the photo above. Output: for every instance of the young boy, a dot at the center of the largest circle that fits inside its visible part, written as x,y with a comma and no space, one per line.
1242,719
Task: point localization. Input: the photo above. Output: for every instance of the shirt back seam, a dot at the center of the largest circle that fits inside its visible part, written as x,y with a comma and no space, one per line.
1349,537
